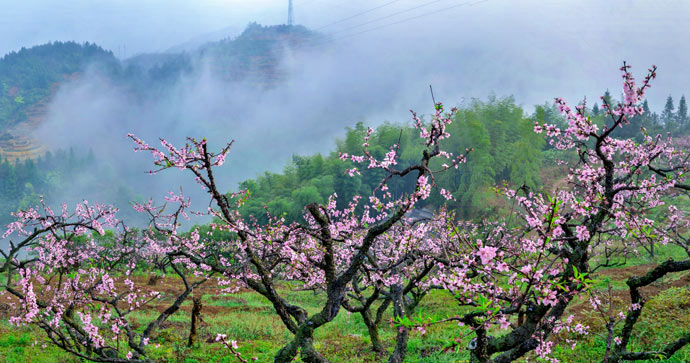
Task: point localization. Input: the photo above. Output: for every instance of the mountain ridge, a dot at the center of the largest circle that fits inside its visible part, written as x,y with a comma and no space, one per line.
31,76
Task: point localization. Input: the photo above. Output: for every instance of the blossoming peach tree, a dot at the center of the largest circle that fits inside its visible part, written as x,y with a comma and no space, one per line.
80,289
515,283
396,273
325,253
512,279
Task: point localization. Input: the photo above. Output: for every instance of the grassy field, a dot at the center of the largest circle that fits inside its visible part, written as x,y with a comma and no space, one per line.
248,318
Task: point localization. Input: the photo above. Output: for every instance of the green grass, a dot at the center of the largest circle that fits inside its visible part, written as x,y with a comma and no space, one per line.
250,319
664,318
25,345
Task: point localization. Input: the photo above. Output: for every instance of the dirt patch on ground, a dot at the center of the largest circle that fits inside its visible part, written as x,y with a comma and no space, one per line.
5,311
621,297
209,310
169,287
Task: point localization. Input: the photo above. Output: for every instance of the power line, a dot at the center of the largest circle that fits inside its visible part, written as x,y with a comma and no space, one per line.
411,18
306,44
388,16
324,3
358,14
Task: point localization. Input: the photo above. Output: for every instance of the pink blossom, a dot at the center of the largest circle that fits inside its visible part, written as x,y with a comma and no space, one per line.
486,254
582,233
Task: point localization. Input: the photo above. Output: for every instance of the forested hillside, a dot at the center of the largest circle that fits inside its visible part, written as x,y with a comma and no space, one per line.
500,131
23,183
28,76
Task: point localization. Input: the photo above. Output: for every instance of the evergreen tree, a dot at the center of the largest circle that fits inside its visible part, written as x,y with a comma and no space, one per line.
11,184
682,113
650,119
606,98
667,115
4,179
595,109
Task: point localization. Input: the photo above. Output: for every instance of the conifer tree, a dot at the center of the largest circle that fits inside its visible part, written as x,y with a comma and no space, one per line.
607,98
667,115
682,113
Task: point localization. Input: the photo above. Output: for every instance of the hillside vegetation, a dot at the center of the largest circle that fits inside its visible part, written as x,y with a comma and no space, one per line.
505,150
30,76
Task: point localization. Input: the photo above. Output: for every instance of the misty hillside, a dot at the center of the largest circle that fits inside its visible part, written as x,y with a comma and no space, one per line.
85,87
28,77
257,50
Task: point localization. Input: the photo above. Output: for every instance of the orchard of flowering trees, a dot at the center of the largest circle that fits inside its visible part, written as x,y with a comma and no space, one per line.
512,278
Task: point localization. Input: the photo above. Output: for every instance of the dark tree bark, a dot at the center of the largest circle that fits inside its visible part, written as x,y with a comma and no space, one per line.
196,317
403,335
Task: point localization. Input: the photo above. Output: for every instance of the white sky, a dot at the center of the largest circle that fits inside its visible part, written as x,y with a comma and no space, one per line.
534,50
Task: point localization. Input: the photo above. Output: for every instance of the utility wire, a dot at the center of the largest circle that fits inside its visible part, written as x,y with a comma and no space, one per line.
387,16
306,44
411,18
358,14
324,3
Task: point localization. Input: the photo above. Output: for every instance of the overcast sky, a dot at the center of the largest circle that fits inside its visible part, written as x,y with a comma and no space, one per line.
548,37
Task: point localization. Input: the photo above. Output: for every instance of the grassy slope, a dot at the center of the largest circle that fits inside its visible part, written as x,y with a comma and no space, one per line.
249,319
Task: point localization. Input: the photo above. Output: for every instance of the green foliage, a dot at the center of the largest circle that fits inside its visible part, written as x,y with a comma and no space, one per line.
23,183
26,76
505,150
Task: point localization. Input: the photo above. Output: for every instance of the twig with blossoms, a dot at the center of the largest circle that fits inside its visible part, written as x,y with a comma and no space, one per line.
431,134
232,346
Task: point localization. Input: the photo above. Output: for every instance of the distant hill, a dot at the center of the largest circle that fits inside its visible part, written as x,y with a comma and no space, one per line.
198,41
253,55
29,77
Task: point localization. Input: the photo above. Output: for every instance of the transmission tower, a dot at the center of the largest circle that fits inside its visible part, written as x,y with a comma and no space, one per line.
291,20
